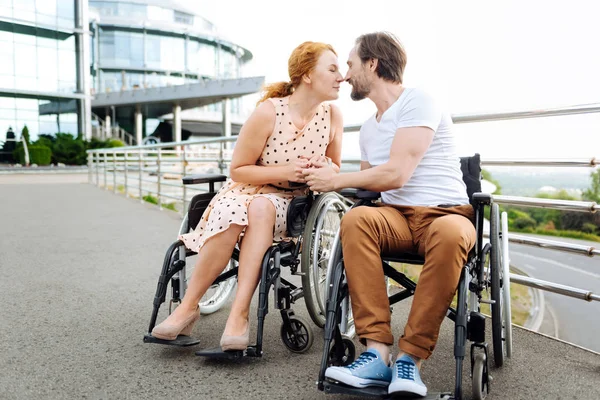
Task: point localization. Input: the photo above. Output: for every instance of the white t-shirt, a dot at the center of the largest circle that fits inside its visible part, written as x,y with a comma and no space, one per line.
438,177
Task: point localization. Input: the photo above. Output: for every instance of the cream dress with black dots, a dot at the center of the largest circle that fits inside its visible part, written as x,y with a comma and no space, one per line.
286,143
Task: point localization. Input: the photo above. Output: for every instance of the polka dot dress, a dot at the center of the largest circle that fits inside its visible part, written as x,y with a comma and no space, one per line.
284,146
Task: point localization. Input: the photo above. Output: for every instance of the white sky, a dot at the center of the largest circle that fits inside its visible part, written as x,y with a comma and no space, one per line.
474,56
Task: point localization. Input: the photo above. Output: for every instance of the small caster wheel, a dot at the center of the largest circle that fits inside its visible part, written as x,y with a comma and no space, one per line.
344,356
298,336
480,377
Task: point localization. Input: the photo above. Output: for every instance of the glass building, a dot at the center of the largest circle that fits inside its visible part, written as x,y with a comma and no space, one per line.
57,55
153,43
42,59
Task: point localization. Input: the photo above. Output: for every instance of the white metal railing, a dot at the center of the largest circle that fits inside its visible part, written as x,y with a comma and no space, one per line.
157,169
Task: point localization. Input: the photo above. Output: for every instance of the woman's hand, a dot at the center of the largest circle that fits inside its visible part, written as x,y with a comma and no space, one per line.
295,173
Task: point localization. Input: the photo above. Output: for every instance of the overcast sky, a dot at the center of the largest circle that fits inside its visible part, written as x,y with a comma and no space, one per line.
473,56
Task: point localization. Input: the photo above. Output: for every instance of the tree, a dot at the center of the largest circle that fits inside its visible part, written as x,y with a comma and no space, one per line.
593,193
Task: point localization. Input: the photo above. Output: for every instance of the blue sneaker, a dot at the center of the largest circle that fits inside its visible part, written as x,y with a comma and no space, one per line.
369,369
406,379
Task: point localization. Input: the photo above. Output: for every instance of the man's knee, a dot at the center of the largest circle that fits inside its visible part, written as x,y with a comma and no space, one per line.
455,232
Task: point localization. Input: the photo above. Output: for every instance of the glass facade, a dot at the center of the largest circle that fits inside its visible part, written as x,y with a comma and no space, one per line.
38,54
52,14
128,55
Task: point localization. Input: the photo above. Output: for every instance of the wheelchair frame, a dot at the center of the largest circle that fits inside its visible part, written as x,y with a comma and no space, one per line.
296,332
469,322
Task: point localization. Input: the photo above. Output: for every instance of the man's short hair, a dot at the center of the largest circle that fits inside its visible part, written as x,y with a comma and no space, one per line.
387,50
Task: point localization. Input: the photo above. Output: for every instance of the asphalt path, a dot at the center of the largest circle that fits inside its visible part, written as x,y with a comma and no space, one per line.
79,268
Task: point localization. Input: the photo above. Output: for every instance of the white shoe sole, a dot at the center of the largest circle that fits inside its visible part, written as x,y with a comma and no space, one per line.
352,380
407,388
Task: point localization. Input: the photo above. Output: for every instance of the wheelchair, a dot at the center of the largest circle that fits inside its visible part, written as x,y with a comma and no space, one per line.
484,279
312,222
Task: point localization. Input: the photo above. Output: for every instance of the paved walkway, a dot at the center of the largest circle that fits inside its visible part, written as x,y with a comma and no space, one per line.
79,268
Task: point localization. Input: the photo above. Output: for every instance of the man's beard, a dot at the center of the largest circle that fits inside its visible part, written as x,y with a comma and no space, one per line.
359,91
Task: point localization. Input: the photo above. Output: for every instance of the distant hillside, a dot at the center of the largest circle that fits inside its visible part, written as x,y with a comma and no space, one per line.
524,181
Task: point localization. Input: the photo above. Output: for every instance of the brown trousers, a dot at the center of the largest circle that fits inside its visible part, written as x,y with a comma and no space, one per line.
443,236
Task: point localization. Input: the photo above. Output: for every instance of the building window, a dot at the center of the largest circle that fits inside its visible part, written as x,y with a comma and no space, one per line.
184,18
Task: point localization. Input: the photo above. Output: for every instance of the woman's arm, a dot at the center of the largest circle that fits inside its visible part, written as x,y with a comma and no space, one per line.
249,146
334,149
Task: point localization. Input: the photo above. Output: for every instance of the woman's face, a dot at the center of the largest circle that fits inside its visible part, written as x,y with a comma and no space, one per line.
325,78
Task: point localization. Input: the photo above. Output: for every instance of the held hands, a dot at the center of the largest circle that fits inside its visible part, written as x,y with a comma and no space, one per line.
319,174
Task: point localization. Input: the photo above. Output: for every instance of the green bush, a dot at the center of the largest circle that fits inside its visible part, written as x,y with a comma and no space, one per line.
69,150
589,228
524,222
38,154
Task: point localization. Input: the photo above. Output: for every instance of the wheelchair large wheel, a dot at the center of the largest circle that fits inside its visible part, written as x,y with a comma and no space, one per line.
347,319
496,272
321,228
506,287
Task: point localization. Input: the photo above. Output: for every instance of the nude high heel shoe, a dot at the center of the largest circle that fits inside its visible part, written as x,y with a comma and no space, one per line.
169,331
241,342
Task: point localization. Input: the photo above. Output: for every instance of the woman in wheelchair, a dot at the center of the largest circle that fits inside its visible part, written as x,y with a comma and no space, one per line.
292,128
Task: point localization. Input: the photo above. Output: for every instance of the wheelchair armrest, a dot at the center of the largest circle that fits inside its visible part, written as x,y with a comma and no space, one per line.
482,198
360,194
203,178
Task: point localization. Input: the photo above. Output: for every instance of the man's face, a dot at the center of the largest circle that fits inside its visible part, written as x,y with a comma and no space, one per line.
357,77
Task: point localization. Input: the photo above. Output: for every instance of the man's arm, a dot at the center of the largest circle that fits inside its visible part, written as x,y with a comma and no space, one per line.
408,148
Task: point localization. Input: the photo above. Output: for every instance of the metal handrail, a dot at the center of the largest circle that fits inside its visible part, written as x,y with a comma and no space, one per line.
523,114
590,251
556,204
221,156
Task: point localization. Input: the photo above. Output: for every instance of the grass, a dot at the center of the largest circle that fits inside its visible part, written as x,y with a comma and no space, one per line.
520,296
153,200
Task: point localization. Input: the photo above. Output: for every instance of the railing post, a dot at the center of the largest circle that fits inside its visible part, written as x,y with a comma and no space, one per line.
158,176
105,180
221,157
97,155
125,173
183,174
140,176
89,163
114,154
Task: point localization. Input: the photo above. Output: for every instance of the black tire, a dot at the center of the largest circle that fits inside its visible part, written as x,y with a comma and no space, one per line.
315,296
349,354
479,388
496,289
300,337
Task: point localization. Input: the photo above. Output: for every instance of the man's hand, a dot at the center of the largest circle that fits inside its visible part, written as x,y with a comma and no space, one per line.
320,178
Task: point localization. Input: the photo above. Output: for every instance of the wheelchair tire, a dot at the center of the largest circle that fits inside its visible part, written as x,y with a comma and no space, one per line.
300,338
479,388
347,358
506,287
320,230
496,269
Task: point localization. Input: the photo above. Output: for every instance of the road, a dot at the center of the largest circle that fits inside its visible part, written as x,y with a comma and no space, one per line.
577,320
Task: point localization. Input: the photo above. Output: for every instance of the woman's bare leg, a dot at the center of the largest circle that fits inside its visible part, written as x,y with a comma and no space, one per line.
212,260
257,239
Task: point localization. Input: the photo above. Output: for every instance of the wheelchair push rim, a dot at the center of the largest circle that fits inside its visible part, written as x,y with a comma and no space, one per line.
320,232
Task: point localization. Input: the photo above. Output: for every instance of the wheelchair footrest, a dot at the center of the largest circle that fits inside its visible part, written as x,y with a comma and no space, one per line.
340,388
181,341
218,353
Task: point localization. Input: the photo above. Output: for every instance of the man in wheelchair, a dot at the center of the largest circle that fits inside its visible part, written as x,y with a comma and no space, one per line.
408,154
